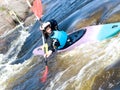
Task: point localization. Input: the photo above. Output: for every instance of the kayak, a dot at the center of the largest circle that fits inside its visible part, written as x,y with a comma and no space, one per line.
87,34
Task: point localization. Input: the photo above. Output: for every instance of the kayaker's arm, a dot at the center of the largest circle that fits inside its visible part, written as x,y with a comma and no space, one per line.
53,44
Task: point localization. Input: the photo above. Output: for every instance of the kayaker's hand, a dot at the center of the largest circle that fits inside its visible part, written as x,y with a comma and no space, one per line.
41,28
48,54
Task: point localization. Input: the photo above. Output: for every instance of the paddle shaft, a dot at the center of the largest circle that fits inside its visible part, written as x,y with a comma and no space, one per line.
43,79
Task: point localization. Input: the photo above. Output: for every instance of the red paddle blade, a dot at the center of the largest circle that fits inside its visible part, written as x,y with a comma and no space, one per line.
44,77
37,8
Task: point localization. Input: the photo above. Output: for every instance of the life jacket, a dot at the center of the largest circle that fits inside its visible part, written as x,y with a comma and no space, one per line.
61,36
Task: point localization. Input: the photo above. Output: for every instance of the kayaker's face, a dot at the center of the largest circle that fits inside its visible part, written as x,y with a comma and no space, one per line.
48,30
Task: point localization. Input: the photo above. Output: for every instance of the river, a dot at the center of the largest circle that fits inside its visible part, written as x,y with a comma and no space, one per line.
90,66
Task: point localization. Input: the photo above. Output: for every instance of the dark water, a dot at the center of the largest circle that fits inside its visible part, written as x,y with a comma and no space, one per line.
92,66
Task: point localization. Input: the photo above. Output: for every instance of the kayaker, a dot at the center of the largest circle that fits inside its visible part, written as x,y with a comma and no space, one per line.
55,39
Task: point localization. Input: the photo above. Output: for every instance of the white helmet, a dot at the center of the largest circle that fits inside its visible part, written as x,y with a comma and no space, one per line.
44,25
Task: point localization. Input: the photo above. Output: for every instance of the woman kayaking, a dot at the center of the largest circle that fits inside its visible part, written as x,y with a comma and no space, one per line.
55,38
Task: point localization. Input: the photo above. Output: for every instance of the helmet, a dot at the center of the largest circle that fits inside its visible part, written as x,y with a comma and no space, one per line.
44,25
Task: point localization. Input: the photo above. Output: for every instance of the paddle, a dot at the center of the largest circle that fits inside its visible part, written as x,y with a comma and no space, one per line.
37,9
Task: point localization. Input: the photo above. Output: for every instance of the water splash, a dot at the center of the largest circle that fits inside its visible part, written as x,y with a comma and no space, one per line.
79,67
16,47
